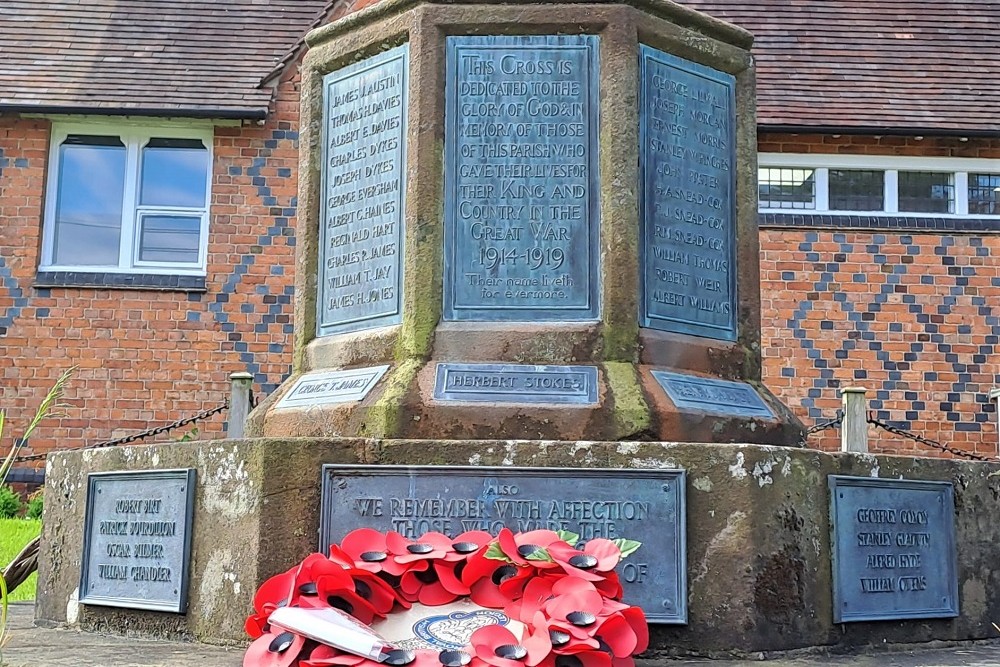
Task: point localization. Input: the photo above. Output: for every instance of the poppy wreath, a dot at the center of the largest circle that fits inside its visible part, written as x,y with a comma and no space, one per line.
567,598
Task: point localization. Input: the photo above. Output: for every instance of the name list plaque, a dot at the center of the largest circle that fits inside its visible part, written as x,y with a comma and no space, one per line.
331,387
137,539
894,554
521,215
711,395
687,158
361,221
516,383
643,505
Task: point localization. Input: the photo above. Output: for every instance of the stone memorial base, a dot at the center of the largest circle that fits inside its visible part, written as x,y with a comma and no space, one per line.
758,550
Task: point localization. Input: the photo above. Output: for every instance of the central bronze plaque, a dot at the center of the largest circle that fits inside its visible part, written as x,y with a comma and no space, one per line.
521,239
643,505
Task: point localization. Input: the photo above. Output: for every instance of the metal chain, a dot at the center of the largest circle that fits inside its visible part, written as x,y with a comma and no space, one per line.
137,436
821,426
895,430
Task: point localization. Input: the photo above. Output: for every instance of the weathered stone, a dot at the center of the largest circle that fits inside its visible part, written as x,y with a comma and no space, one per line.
603,326
758,514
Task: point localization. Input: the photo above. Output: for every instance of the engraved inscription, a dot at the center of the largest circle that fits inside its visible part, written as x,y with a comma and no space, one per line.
894,549
413,501
137,539
711,395
362,211
510,383
521,217
688,136
332,387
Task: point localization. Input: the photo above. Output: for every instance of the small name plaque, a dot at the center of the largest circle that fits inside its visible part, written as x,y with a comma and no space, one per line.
332,387
137,539
687,162
511,383
521,214
364,151
893,549
710,395
643,505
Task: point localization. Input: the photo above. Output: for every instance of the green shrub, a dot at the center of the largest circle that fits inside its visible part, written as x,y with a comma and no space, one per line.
10,503
34,505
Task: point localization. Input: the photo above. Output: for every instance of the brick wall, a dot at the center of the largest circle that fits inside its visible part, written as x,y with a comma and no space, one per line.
145,357
913,316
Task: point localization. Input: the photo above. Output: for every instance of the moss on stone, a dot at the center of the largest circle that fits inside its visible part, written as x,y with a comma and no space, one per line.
631,412
383,418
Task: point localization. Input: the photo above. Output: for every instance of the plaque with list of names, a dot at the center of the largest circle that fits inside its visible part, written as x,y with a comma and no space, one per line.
137,539
711,395
516,383
894,553
361,211
521,215
331,387
687,162
643,505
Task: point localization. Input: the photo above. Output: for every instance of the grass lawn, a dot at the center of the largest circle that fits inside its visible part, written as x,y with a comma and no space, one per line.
14,534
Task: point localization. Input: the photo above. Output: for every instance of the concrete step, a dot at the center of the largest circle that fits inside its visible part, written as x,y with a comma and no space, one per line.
41,647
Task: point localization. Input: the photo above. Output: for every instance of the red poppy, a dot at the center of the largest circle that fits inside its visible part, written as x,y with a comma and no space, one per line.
497,646
529,548
274,650
327,656
370,551
494,583
597,558
588,658
426,588
430,546
468,543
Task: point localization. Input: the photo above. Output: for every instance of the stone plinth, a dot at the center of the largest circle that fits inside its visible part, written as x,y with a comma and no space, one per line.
758,533
520,186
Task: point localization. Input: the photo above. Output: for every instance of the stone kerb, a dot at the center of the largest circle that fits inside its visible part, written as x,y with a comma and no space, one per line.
423,327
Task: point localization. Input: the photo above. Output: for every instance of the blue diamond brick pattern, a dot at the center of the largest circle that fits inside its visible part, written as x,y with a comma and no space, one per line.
862,311
9,285
270,306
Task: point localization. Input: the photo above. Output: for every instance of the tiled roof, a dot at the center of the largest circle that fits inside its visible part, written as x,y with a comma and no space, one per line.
916,65
186,57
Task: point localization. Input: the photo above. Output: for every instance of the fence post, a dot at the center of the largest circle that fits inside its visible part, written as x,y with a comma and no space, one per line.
854,430
241,384
995,397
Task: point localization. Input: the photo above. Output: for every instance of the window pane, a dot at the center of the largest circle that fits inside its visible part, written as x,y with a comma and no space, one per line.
926,192
786,188
984,194
857,190
174,173
89,193
169,238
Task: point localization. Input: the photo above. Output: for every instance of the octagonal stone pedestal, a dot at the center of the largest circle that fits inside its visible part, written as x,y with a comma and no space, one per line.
528,220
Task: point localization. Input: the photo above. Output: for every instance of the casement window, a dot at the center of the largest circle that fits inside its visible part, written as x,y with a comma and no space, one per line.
874,185
127,199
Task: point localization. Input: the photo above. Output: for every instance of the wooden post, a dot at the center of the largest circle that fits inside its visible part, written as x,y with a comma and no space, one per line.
995,397
854,430
241,384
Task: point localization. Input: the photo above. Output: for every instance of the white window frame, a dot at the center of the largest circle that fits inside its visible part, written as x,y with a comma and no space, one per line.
822,163
135,135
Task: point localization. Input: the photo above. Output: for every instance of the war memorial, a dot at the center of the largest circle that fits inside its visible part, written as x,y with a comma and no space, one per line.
527,296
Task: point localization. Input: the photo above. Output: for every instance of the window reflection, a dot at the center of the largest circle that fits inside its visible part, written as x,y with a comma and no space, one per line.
174,173
91,186
169,238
